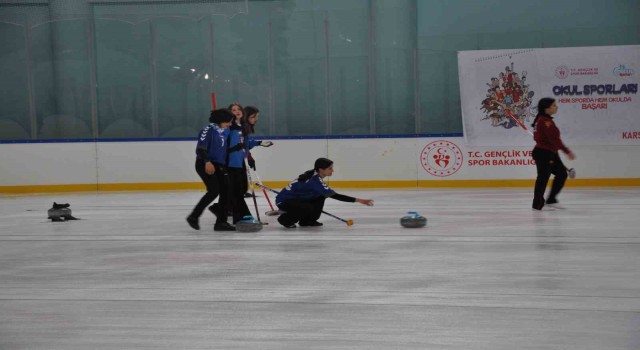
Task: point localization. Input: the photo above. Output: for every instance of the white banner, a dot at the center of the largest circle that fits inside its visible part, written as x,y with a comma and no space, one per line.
595,88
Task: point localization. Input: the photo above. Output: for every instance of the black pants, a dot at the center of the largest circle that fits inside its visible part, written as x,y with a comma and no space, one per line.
547,163
301,210
216,185
238,187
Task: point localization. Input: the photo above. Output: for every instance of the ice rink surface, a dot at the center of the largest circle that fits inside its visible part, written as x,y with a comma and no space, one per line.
486,273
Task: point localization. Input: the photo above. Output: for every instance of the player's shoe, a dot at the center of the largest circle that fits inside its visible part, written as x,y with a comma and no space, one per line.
193,222
311,223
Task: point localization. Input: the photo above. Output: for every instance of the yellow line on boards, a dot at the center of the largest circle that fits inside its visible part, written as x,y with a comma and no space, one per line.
48,188
367,184
153,186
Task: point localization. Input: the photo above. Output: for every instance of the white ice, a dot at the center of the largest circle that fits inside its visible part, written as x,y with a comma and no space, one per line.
486,273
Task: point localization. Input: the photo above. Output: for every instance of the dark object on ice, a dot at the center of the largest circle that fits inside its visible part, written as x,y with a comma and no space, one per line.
413,220
60,212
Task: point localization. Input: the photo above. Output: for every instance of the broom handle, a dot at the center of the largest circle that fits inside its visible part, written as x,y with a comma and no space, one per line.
263,190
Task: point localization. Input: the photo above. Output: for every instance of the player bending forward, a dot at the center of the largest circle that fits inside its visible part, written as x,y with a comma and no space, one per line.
303,199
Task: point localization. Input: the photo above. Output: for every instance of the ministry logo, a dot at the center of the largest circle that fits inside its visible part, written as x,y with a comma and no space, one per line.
562,72
441,158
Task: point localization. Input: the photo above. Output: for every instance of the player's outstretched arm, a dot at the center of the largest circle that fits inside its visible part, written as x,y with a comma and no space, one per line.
368,202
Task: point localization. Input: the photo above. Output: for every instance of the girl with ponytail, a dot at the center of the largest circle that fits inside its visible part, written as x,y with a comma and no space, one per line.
303,199
548,143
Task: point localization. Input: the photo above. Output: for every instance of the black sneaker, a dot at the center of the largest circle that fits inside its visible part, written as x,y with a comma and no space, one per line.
311,223
224,226
193,222
285,225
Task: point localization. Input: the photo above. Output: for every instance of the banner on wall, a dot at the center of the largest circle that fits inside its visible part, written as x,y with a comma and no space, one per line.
451,158
595,88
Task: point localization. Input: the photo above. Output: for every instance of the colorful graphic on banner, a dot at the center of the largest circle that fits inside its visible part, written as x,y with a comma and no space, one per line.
596,89
508,99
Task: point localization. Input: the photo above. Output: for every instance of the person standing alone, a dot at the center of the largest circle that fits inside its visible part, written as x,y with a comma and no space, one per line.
545,153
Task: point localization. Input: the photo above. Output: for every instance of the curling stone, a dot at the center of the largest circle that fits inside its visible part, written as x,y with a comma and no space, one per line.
60,212
571,173
413,220
248,224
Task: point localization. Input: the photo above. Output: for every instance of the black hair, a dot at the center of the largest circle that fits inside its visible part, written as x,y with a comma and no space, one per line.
543,104
248,128
320,163
222,115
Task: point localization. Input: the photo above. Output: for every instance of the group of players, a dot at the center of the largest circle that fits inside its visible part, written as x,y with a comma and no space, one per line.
222,160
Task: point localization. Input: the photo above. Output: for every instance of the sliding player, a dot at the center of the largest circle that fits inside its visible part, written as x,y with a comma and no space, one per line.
303,199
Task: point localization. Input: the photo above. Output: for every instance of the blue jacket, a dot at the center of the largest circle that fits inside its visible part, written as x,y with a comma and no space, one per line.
212,145
310,189
236,137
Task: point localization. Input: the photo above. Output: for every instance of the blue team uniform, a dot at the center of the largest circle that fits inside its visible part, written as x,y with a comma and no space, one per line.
236,158
212,145
313,188
237,174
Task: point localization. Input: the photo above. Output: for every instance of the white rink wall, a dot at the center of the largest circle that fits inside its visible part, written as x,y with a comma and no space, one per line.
360,162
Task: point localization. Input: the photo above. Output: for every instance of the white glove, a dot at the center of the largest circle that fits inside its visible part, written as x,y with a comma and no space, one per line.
266,143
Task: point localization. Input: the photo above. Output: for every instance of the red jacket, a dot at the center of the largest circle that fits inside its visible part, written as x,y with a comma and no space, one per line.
547,135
